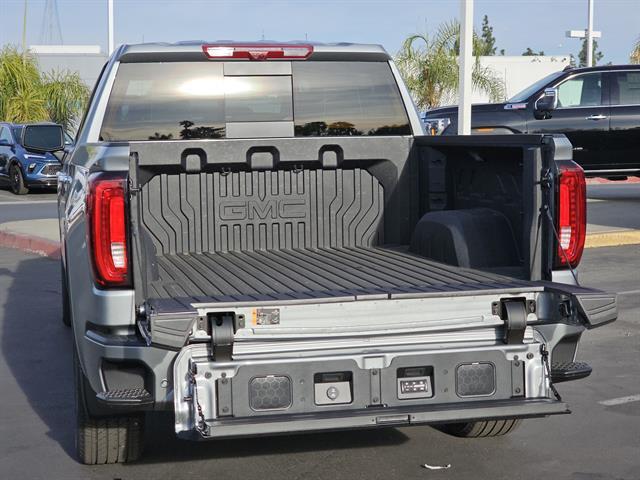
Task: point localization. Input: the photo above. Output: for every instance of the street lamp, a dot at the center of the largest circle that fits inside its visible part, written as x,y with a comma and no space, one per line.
588,33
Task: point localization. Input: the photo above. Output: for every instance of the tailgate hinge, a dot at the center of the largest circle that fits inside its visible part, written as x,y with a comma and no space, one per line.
514,312
143,314
222,331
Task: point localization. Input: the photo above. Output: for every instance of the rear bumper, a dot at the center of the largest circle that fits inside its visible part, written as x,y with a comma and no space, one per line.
372,418
41,181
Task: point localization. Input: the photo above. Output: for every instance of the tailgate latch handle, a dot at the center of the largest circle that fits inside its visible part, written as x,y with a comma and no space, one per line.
514,313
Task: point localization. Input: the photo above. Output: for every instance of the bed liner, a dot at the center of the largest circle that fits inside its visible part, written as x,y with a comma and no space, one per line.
298,274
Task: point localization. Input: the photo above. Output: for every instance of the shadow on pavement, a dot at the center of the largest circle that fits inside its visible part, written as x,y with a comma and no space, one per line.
33,192
37,348
162,445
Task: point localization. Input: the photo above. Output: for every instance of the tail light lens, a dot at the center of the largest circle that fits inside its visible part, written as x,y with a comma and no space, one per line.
107,211
257,52
571,215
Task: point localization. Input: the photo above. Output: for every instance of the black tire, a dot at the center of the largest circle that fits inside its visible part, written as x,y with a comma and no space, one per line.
105,440
66,309
17,180
481,429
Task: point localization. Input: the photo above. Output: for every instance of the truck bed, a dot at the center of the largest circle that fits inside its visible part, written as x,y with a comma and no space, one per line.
294,274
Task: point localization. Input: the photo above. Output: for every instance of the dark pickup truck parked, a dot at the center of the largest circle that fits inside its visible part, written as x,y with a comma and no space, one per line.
261,239
597,108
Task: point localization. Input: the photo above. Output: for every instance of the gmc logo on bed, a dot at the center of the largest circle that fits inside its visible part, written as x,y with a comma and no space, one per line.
262,209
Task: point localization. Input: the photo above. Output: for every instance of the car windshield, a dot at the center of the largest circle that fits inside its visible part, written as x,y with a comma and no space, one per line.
524,95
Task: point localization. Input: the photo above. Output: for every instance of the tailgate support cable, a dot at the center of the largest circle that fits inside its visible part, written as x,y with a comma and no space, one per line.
545,360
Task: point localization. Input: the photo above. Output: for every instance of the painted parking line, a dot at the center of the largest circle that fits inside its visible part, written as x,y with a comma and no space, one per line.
612,239
630,292
620,401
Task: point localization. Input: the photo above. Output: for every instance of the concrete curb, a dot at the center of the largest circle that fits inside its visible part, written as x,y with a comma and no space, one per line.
30,243
613,239
604,181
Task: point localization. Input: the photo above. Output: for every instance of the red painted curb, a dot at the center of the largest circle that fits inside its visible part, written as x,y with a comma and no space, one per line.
598,181
27,243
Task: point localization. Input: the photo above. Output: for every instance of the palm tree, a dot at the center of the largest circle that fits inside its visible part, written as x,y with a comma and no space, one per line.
635,54
66,96
21,97
431,69
27,95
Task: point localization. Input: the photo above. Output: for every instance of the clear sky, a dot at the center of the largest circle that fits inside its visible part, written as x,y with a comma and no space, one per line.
518,24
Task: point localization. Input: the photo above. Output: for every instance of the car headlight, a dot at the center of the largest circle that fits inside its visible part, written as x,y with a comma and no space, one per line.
435,126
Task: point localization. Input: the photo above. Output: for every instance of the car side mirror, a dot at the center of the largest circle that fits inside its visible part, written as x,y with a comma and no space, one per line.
5,143
43,138
547,102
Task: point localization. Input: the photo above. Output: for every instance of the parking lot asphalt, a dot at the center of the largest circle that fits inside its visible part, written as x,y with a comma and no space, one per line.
613,206
37,204
597,442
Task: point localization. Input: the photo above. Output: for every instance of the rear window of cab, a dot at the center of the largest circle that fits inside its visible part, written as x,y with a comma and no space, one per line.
196,100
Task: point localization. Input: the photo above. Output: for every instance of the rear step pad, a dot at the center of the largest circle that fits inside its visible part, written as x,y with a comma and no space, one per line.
567,371
135,397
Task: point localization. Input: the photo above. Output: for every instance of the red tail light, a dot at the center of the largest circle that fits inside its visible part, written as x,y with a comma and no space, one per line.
107,211
572,215
258,52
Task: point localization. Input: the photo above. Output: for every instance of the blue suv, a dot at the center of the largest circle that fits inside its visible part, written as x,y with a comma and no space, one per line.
23,169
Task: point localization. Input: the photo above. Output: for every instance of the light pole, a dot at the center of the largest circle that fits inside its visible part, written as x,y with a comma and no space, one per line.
589,33
24,30
465,61
110,25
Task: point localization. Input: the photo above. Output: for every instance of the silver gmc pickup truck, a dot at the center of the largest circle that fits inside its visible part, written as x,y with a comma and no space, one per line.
260,238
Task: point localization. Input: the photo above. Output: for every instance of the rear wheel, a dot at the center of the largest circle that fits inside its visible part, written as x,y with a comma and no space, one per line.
104,440
484,428
17,180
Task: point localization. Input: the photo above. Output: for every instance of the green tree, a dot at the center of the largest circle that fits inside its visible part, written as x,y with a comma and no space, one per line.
635,54
429,65
487,40
66,96
28,95
530,53
582,55
483,44
21,95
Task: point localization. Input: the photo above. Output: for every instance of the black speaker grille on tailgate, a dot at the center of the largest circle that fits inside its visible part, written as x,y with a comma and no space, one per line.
475,379
270,393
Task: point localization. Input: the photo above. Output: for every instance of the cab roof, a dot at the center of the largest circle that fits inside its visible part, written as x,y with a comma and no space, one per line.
191,51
